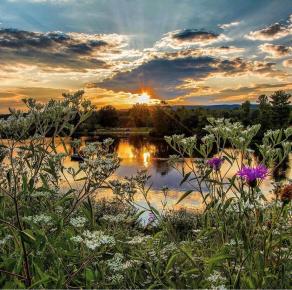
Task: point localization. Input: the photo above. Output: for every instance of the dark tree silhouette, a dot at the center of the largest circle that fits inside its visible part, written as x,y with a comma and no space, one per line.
108,116
280,102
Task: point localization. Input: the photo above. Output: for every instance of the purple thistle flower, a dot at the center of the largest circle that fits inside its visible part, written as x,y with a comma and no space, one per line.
252,174
151,218
215,162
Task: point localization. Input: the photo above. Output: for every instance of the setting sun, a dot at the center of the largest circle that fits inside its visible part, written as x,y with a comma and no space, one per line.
144,98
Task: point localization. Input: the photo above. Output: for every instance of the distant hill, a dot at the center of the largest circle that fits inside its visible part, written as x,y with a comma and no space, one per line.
216,107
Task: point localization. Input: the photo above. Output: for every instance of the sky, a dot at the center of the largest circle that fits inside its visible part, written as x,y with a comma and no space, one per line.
120,52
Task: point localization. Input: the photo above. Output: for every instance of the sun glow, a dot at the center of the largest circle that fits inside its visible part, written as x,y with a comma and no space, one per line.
144,98
146,158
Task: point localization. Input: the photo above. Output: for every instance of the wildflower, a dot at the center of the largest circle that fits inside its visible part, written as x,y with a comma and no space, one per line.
286,194
40,219
116,279
78,222
216,280
77,239
116,263
151,218
96,239
252,174
93,240
215,163
231,243
138,240
3,241
114,218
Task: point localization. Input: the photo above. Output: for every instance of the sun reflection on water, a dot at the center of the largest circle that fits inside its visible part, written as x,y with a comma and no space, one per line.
146,158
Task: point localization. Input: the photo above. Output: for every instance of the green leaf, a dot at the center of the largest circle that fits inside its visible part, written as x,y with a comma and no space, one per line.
227,203
217,258
155,211
27,236
184,196
170,262
185,178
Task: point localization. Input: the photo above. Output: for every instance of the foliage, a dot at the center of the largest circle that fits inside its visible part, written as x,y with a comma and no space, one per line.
108,116
280,108
140,115
55,234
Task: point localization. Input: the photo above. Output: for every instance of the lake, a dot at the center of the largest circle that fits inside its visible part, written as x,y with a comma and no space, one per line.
143,152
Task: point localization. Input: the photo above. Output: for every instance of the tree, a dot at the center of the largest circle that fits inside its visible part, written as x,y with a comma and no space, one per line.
264,117
164,122
108,116
280,102
140,115
245,111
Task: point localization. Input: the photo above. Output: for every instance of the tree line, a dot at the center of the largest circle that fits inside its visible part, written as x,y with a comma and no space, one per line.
272,112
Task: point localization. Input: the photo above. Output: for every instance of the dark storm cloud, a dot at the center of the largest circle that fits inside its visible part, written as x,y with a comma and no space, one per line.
164,75
75,51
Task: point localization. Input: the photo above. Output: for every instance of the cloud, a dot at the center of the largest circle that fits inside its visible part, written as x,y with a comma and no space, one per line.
230,95
275,50
251,93
12,97
229,25
189,37
287,63
58,50
121,99
166,74
272,32
42,1
195,52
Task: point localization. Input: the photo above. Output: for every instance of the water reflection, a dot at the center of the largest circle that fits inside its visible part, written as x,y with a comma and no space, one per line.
145,153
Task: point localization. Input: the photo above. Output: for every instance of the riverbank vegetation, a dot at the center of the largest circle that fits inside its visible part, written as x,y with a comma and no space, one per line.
272,112
55,234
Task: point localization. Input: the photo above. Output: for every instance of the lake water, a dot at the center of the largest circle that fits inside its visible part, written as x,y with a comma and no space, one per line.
140,152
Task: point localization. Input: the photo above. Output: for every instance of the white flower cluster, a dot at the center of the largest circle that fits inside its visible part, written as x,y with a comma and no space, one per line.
167,250
126,188
41,219
15,126
93,240
217,280
78,222
117,263
114,218
182,144
116,279
138,240
98,163
5,239
232,243
239,136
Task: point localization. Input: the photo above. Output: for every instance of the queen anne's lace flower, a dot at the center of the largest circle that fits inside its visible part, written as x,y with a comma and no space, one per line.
78,222
40,219
114,218
5,239
138,240
93,240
